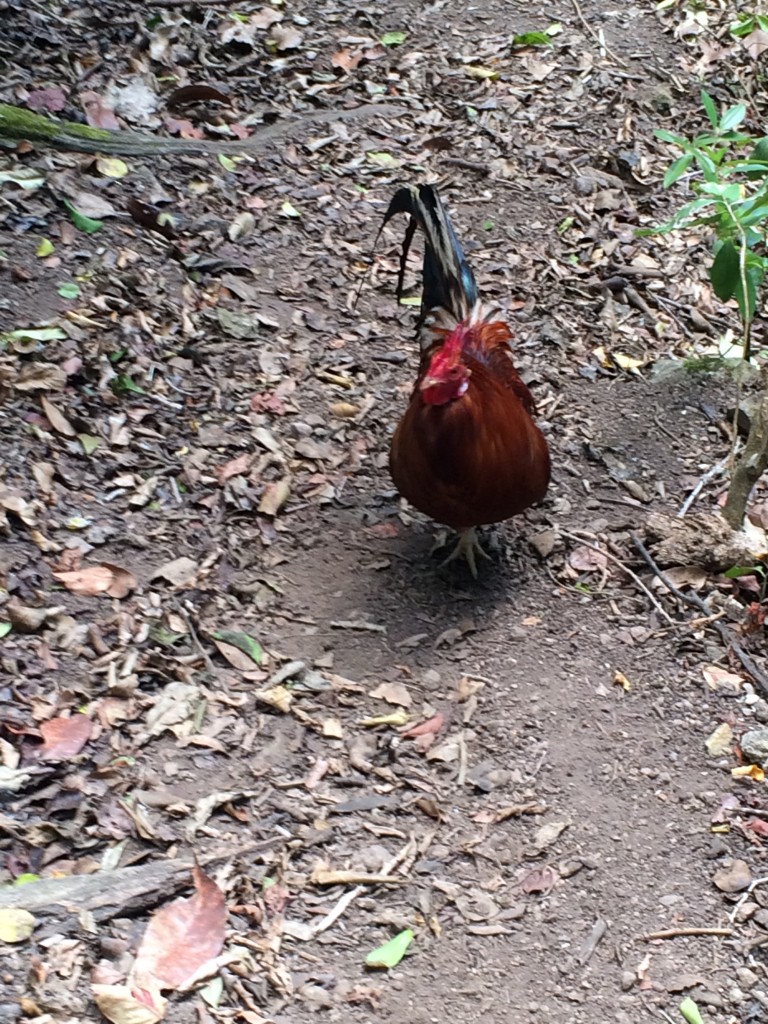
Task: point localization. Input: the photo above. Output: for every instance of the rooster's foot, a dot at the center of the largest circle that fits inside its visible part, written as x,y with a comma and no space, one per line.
467,547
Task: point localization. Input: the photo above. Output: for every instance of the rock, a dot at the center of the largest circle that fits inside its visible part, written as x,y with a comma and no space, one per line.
627,980
754,745
747,978
733,877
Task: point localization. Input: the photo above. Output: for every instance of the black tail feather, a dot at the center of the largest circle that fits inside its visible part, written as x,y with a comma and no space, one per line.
448,280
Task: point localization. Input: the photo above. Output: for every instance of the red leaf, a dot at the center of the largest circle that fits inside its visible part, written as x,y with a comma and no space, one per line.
64,737
182,937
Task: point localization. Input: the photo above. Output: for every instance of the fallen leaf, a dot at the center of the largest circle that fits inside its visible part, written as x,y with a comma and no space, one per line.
393,693
180,572
587,559
391,953
64,738
121,1006
57,419
112,580
182,937
720,741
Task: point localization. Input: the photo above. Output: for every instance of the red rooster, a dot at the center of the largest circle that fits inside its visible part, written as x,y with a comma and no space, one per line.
466,452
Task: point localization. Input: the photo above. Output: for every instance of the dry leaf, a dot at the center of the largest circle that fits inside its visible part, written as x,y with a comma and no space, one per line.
57,419
182,937
64,738
393,693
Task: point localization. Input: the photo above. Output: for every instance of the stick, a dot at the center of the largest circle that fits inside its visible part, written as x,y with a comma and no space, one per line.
588,28
633,576
677,933
709,475
694,601
349,897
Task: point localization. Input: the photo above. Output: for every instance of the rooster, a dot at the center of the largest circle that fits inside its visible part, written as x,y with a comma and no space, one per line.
467,451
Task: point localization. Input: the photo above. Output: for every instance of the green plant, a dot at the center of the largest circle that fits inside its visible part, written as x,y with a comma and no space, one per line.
728,171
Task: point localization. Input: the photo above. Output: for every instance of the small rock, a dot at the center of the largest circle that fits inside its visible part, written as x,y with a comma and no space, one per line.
754,745
760,709
745,911
747,978
627,980
735,995
703,995
431,679
733,877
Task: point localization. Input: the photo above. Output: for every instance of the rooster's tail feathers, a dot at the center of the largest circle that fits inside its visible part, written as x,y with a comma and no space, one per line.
448,280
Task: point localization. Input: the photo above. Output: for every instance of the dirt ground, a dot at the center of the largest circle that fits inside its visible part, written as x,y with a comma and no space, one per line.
209,424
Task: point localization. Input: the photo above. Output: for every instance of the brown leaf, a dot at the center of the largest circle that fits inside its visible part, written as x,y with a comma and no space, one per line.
275,496
393,693
64,737
122,1006
235,467
345,59
57,419
40,377
587,559
541,879
182,937
96,111
112,580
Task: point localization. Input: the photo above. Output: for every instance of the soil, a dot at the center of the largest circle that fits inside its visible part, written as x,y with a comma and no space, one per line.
569,805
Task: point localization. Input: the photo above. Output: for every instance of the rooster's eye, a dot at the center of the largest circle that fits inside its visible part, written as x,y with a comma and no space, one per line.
454,372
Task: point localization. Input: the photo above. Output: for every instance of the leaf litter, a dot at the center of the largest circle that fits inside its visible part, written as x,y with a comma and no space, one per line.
191,414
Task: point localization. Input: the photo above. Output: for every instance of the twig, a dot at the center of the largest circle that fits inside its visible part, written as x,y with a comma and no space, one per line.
633,576
588,28
711,473
747,892
467,165
678,933
462,777
195,638
755,812
349,897
694,601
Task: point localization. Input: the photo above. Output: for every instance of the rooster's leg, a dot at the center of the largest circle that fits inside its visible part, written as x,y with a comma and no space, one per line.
467,547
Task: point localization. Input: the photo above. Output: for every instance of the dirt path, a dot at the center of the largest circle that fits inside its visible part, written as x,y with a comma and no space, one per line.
213,396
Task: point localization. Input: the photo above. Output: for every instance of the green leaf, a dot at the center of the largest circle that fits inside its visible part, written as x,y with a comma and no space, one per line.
81,222
733,117
5,629
665,136
289,210
677,169
724,272
709,106
391,953
44,249
89,442
743,27
690,1011
123,383
531,39
382,159
69,290
742,570
227,162
393,38
34,334
242,642
760,152
26,878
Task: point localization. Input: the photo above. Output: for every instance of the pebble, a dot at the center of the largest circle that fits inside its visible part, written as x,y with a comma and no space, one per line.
747,978
754,745
627,980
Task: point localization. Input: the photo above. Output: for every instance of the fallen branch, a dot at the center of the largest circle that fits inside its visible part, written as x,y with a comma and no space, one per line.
18,125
